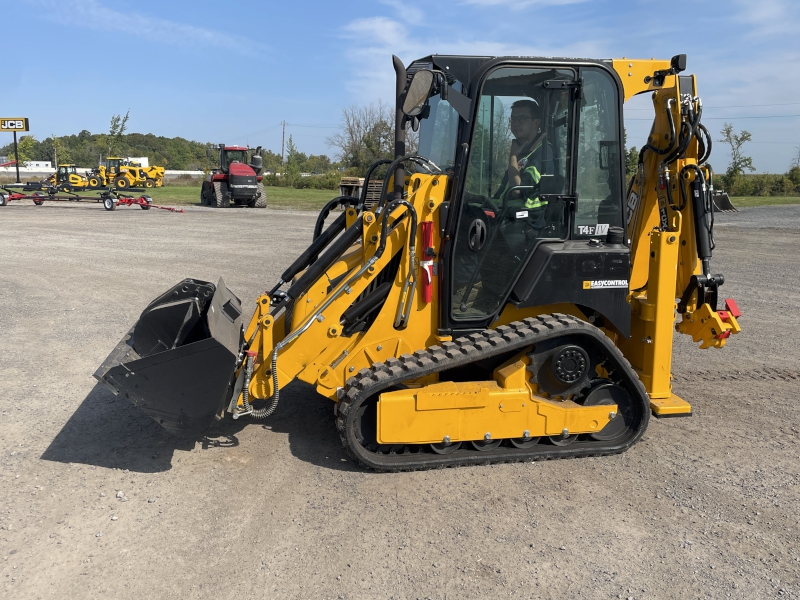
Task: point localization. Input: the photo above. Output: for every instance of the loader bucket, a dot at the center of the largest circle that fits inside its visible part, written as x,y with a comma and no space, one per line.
722,202
177,361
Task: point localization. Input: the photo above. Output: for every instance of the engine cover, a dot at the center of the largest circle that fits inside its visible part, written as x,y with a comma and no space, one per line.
242,181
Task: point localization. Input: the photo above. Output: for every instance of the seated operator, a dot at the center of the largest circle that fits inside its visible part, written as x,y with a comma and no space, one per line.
529,158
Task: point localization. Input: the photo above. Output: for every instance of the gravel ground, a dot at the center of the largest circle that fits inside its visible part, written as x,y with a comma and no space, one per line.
97,500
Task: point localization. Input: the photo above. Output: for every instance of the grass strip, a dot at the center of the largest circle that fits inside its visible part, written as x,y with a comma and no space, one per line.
277,197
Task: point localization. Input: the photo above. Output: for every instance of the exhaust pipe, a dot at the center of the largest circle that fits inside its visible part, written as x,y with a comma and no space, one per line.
178,360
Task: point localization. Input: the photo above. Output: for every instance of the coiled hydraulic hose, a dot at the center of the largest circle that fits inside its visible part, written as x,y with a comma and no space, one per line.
261,413
704,156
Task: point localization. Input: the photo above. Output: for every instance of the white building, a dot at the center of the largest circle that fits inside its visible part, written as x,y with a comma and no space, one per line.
39,164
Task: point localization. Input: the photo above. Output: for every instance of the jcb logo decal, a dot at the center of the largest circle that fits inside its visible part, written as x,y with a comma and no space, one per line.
13,124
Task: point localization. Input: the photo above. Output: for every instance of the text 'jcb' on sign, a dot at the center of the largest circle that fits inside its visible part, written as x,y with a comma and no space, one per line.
14,124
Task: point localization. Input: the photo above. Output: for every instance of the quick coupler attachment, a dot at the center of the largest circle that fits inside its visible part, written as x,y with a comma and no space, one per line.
178,360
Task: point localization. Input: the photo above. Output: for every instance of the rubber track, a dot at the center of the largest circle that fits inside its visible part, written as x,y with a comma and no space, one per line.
463,351
221,194
261,201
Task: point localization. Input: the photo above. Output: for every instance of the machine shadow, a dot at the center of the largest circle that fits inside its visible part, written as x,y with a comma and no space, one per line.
308,419
108,431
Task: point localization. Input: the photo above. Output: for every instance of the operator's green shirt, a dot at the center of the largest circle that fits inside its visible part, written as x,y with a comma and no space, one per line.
530,170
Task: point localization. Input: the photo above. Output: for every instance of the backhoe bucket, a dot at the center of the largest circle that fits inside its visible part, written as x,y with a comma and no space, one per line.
722,202
177,362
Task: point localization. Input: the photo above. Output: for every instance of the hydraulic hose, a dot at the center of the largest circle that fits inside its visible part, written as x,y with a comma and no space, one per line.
688,131
367,177
326,210
410,285
317,314
415,158
334,251
706,145
660,151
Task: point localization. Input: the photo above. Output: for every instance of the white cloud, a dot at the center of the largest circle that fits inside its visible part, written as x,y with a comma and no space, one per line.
410,13
768,18
374,39
91,14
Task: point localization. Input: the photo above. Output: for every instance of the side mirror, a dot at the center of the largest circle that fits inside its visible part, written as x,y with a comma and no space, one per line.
417,94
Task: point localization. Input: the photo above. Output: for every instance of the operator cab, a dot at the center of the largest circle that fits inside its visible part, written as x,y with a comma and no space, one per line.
64,171
228,156
537,234
113,164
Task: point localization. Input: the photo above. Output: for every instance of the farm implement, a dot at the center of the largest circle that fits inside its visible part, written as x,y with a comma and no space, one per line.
109,198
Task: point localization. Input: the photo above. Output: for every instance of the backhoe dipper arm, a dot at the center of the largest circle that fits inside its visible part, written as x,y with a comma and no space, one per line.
670,228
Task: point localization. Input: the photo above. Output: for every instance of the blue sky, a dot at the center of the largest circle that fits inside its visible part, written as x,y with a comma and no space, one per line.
232,71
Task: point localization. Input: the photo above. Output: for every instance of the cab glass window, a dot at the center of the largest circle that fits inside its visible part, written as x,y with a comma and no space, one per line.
519,157
437,133
599,166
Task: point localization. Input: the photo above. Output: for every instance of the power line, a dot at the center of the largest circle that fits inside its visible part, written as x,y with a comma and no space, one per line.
735,106
753,117
734,118
314,126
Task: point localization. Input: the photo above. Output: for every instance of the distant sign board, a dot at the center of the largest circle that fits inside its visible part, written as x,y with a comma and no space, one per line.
13,124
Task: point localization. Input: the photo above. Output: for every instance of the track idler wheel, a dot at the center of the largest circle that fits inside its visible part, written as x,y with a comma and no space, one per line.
626,416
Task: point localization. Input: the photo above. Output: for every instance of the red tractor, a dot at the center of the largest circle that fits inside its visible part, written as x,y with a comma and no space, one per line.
237,181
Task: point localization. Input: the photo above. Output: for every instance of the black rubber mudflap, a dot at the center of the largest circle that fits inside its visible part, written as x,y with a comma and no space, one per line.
177,362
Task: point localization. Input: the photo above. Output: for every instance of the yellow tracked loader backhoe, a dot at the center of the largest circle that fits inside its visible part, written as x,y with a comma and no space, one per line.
66,179
506,299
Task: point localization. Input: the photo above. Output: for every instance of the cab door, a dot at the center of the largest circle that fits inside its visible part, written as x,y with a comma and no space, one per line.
501,221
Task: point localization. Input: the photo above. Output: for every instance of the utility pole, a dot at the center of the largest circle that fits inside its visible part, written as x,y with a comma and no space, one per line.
283,138
16,155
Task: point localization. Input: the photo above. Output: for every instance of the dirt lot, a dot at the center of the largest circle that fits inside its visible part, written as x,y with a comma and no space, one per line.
98,501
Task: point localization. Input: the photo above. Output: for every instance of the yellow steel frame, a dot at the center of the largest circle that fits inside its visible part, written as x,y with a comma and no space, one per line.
663,260
505,407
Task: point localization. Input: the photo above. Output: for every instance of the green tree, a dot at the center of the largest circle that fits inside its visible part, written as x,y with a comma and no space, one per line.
794,175
26,149
291,174
739,162
366,135
318,164
272,161
117,127
61,154
631,162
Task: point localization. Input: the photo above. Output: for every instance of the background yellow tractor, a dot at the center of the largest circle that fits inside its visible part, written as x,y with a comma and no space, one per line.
119,172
